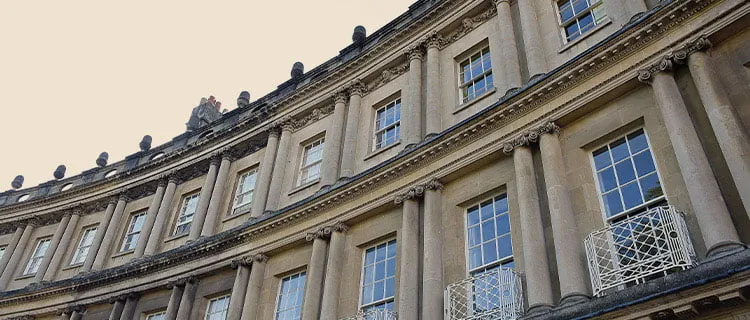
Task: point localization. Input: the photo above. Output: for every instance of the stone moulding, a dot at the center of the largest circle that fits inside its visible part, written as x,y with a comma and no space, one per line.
470,130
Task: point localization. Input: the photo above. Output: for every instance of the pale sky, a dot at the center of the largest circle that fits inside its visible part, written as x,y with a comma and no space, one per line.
80,77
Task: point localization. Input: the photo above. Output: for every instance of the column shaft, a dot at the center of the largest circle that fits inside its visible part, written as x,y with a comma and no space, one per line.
411,111
148,225
44,264
12,246
709,207
75,315
349,154
330,304
571,267
434,109
188,296
432,274
128,311
117,307
216,197
536,266
109,236
15,258
161,219
408,291
279,165
535,57
64,316
101,230
174,302
314,282
63,246
507,47
204,199
237,300
732,138
264,175
251,307
333,142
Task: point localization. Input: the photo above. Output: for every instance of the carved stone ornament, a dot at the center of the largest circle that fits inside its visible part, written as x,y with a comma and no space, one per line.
414,52
434,185
433,40
387,76
412,193
530,137
663,65
322,233
358,88
260,258
340,227
467,25
340,96
698,44
241,262
315,115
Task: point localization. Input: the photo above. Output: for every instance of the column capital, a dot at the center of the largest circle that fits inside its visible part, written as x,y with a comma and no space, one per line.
260,258
273,130
414,52
241,262
664,64
284,124
132,295
175,283
433,40
322,233
339,227
340,96
701,43
412,193
549,128
123,196
498,2
76,308
173,177
434,185
115,299
358,88
523,139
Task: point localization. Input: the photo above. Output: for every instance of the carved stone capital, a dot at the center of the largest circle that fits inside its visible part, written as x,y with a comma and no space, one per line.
241,262
498,2
260,258
78,308
340,96
273,131
434,185
175,283
132,295
285,124
339,227
173,177
698,44
412,193
663,65
433,40
414,52
123,196
549,128
358,88
322,233
115,299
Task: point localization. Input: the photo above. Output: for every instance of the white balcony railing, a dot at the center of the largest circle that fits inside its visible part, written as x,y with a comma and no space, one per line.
638,249
495,294
374,314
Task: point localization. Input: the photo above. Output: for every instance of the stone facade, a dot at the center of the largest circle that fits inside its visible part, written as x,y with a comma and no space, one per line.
672,73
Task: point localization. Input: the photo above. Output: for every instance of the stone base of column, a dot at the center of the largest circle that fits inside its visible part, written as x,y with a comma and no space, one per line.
539,308
724,248
574,298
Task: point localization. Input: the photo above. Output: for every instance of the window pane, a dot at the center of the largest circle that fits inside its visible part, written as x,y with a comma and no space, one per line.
637,141
619,150
490,252
631,194
487,210
644,163
601,158
651,187
607,180
612,203
504,246
503,224
473,216
625,171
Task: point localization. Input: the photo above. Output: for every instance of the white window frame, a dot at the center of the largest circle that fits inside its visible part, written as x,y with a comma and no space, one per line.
501,260
77,254
183,208
130,232
302,180
228,297
597,21
397,124
464,98
32,267
154,315
646,204
238,188
363,306
279,293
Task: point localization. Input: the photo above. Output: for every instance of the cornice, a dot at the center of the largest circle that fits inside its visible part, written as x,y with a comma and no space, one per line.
480,125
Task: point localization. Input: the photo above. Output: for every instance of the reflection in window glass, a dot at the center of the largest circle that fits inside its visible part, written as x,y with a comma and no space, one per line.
157,316
36,258
82,251
488,234
475,76
379,277
133,232
388,124
579,16
289,301
217,308
312,157
245,189
185,219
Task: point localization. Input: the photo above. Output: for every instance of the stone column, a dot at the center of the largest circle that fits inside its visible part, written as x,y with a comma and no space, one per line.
12,246
330,304
237,300
315,273
117,305
432,273
536,61
162,215
510,66
128,311
76,313
620,12
101,230
536,266
174,299
408,291
57,255
349,155
65,315
333,141
433,106
148,225
733,140
56,237
217,195
188,296
277,179
15,257
571,266
196,227
251,307
109,235
411,110
264,174
709,208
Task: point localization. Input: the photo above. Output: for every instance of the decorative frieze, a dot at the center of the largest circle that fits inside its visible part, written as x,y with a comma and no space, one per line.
467,25
387,76
317,113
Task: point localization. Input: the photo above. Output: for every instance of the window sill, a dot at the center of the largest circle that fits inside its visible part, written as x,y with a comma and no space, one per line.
236,215
304,186
471,102
177,236
26,276
72,266
381,150
123,253
570,44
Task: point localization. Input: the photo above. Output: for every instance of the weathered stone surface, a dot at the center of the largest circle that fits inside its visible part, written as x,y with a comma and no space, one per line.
145,144
205,113
360,35
17,182
102,159
60,172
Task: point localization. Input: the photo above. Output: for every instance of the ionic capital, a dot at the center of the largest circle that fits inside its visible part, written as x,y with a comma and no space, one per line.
285,124
241,262
548,128
260,258
498,2
173,177
433,40
322,233
434,185
123,196
663,65
412,193
698,44
339,227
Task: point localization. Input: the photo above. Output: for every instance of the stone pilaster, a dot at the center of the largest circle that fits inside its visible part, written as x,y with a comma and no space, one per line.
188,297
63,246
709,207
109,235
408,292
251,307
331,289
509,65
279,166
264,173
162,215
53,244
432,273
148,225
334,139
204,198
536,60
351,135
411,110
128,310
118,304
239,288
217,195
433,105
315,274
101,230
12,246
571,266
15,257
174,299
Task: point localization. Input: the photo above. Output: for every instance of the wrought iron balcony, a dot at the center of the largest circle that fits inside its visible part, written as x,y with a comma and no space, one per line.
374,314
638,249
495,294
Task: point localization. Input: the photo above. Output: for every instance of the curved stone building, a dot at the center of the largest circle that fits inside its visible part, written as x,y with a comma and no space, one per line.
473,159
